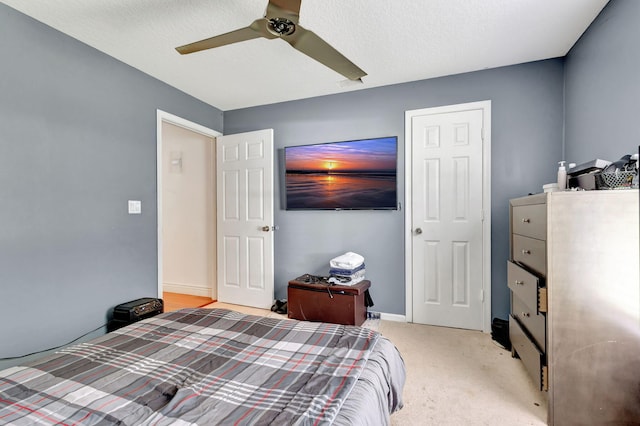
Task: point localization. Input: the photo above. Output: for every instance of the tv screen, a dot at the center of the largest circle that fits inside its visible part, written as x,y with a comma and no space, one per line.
348,175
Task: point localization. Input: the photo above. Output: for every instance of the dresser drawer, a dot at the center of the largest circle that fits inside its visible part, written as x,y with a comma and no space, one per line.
530,252
530,221
535,324
530,355
526,286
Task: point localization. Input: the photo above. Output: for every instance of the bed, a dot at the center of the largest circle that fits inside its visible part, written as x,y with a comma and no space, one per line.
210,367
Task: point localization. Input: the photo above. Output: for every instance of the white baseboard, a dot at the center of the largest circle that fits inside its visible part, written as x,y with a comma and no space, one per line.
193,290
393,317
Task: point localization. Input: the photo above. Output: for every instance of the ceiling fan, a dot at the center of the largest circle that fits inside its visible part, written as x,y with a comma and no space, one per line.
281,21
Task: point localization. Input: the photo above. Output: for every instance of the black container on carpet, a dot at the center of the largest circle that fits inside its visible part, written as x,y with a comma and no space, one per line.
500,332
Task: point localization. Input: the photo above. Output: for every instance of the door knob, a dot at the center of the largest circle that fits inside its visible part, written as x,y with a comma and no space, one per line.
266,228
418,231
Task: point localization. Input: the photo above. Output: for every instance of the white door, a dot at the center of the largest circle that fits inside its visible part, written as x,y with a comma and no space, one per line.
245,218
447,218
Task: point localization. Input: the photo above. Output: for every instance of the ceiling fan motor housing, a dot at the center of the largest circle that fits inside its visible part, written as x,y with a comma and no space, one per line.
281,26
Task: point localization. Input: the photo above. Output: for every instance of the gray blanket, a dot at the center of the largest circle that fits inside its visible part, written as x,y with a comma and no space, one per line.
197,366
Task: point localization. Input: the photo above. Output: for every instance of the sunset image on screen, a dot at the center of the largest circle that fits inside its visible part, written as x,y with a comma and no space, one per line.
358,174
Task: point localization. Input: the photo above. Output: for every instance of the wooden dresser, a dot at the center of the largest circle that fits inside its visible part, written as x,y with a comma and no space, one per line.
575,302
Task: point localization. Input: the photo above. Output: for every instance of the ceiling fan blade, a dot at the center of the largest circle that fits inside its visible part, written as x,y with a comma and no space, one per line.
257,29
289,9
313,46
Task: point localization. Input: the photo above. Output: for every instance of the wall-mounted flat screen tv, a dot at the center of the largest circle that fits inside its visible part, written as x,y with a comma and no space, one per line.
348,175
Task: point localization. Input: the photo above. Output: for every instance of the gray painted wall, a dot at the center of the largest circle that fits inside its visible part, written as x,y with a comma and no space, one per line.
526,143
603,86
77,140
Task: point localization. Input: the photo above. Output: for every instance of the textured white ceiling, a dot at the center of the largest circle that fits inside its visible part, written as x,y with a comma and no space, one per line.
394,41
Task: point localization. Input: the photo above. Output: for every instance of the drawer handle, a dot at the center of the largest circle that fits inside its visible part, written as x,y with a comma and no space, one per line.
526,314
519,282
525,251
526,220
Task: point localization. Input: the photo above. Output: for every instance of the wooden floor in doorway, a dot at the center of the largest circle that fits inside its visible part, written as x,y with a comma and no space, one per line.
175,301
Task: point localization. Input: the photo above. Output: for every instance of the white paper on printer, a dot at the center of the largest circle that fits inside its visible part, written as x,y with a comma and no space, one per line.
349,260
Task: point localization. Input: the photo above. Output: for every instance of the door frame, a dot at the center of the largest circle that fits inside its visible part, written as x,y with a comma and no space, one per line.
165,117
485,106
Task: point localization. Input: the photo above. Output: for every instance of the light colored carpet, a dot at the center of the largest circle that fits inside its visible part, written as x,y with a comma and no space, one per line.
454,377
461,377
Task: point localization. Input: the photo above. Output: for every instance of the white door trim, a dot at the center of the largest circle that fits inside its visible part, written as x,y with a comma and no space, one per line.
162,116
486,203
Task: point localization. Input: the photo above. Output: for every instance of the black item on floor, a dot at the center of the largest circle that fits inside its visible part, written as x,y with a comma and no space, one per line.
500,332
136,310
279,306
368,301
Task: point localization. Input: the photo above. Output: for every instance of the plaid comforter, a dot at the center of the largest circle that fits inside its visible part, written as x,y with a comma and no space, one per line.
193,366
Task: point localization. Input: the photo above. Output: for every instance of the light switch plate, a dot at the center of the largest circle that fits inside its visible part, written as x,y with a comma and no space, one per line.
135,207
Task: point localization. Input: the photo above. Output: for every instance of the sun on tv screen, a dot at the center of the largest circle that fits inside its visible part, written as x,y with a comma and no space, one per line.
348,175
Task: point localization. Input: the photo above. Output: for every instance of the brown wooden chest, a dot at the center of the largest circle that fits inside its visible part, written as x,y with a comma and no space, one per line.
323,302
